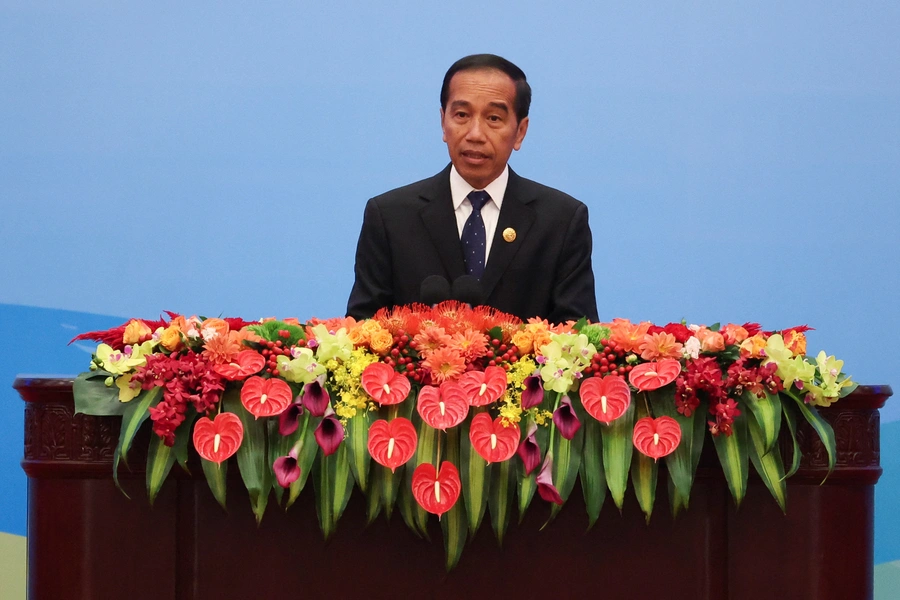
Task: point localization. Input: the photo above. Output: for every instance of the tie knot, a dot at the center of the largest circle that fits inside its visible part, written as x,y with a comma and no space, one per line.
478,199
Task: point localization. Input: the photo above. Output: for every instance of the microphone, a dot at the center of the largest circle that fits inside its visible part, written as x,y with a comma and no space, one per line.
467,289
434,290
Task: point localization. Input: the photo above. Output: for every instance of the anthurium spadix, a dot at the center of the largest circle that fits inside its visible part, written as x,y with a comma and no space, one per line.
265,397
656,437
385,385
330,433
443,407
315,397
217,440
605,398
392,443
436,492
565,420
493,439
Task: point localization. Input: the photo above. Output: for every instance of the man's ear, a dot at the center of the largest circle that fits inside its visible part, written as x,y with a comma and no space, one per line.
520,132
443,132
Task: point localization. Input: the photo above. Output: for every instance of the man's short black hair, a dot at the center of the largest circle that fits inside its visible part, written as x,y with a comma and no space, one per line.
491,61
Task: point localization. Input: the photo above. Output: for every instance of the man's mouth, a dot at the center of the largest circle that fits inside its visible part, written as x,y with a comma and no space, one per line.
474,155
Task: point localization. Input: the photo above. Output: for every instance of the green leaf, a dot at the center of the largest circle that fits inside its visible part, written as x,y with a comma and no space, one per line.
426,452
135,414
644,473
848,390
593,476
767,463
93,397
791,419
475,475
334,485
373,497
270,331
617,451
734,454
252,457
453,522
502,497
767,414
357,441
677,500
160,457
822,427
682,463
215,478
567,459
343,481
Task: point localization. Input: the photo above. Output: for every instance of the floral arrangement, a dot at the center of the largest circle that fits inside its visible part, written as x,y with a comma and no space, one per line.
456,411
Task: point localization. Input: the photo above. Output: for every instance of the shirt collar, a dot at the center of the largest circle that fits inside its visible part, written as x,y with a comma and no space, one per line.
460,188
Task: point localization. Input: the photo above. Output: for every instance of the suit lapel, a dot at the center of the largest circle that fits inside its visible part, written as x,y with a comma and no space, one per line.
517,215
440,222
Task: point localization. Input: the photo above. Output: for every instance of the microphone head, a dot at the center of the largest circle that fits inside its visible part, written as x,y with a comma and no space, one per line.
467,289
434,289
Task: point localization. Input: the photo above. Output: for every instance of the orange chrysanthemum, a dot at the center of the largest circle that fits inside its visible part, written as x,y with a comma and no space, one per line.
628,335
431,338
567,327
445,364
656,346
470,344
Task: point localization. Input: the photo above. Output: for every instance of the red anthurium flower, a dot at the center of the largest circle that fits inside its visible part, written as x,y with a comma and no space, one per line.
492,440
216,440
384,384
443,408
265,397
544,481
244,364
484,387
533,394
330,433
653,375
565,420
315,398
286,468
656,437
392,443
605,398
529,451
436,492
289,419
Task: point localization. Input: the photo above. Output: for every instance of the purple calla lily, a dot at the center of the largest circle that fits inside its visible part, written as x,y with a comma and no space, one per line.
529,451
533,394
330,433
287,471
315,398
289,419
545,485
565,420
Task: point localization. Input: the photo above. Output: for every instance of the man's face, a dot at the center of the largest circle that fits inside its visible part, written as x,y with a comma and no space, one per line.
480,125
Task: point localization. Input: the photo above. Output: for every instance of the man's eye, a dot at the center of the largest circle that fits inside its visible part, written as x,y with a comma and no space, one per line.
460,114
494,118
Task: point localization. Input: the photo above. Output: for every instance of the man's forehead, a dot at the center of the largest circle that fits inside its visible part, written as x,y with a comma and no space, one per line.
486,80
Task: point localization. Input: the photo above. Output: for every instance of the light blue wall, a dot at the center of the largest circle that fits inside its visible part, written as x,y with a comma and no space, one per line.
214,157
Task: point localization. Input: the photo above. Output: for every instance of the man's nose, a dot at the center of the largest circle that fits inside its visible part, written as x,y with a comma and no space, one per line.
475,132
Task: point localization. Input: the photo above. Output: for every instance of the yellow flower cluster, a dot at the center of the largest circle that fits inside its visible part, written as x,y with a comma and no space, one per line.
511,402
345,378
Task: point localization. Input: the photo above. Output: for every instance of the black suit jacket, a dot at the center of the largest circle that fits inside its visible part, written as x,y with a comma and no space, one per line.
411,233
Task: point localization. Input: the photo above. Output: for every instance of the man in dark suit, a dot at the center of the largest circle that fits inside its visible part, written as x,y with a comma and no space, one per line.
529,245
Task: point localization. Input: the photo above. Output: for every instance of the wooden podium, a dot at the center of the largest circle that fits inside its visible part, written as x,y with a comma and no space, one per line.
87,540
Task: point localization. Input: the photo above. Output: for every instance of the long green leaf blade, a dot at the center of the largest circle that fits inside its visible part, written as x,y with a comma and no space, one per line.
94,397
644,474
475,476
593,476
791,419
734,456
215,478
617,451
502,496
682,463
357,447
252,455
453,522
135,414
767,464
766,412
822,428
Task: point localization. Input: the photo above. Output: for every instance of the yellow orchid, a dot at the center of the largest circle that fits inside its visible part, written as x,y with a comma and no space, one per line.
303,368
119,362
336,345
127,392
776,351
796,369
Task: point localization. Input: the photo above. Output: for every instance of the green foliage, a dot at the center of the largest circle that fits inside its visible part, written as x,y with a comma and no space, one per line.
271,331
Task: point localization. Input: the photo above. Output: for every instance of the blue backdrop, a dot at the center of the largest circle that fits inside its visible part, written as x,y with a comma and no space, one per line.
739,163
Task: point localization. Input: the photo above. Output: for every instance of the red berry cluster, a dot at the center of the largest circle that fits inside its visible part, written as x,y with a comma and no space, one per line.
500,354
272,350
403,356
608,361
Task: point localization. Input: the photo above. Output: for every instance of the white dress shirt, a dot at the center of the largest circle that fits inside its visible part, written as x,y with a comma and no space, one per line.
490,213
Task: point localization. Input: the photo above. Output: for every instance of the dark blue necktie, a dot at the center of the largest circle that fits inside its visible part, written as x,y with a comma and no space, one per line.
473,236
